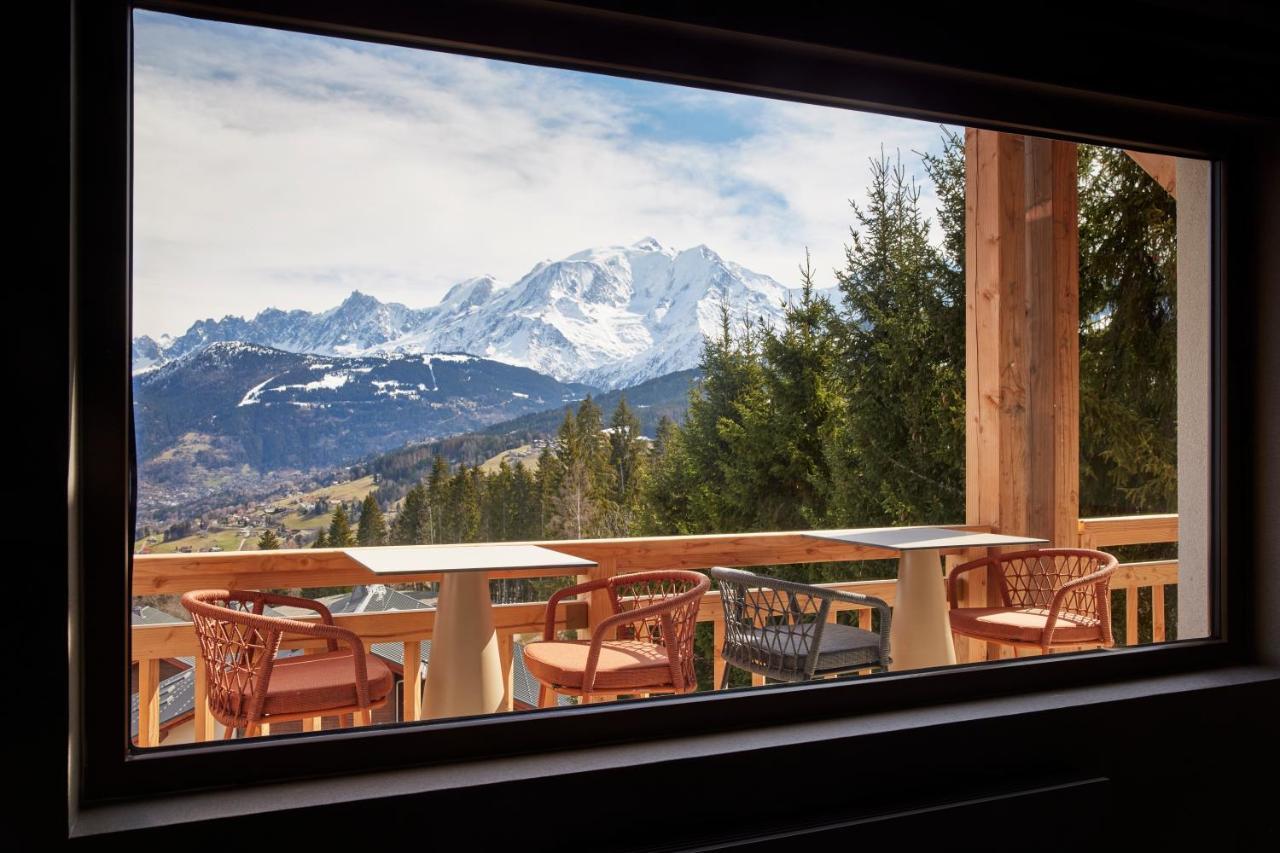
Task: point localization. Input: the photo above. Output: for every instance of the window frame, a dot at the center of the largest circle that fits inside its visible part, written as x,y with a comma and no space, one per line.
590,40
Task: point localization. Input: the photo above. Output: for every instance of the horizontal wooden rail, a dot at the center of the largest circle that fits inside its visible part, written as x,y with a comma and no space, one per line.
173,574
179,639
1128,530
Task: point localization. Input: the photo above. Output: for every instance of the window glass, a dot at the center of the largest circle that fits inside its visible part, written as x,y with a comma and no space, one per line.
397,297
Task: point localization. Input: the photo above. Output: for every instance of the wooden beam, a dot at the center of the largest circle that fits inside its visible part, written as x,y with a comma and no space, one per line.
205,725
399,626
1053,287
411,682
173,574
149,702
1129,530
1163,168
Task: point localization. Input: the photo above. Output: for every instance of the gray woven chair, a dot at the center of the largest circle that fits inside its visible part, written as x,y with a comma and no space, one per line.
779,629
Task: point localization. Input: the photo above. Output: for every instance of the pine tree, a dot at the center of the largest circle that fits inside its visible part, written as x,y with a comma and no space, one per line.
322,540
573,509
1128,338
714,434
433,500
410,526
626,467
372,529
547,487
799,373
896,451
268,541
666,492
340,534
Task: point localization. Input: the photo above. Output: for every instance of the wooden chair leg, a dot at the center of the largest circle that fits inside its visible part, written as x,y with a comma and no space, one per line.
546,697
363,717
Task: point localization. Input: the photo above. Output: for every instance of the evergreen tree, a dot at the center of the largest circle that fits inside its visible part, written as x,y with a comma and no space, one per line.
626,467
340,534
573,508
433,500
1128,338
268,541
410,526
896,450
799,361
714,433
372,529
666,492
547,486
322,540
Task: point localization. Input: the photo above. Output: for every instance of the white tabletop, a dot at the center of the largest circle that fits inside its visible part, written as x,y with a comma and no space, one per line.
417,559
919,538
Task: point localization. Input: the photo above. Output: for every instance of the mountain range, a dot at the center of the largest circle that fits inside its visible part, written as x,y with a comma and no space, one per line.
608,317
230,403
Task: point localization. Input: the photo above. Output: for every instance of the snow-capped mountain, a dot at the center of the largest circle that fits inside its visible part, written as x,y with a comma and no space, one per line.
609,317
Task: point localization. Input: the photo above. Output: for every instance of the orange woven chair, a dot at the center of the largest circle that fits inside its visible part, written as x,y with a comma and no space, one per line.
1052,598
654,615
249,687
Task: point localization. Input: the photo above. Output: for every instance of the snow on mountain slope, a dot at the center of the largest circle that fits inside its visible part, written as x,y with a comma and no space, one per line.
609,317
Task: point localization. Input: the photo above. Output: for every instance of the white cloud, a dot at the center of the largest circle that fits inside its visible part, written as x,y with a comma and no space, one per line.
287,170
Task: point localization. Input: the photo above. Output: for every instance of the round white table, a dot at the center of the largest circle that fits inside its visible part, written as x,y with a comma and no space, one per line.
464,675
920,635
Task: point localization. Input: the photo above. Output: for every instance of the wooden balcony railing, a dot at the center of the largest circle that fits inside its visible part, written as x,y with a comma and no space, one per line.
173,574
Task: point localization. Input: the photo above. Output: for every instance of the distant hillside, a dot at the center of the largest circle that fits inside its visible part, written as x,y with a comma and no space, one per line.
231,404
666,395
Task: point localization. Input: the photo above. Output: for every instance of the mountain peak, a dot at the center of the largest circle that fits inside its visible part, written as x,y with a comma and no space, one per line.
647,244
358,299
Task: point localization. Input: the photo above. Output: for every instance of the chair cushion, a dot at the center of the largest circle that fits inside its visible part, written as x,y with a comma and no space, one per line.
623,663
317,682
1024,625
779,649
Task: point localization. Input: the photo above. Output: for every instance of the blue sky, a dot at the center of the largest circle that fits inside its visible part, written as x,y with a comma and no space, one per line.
282,169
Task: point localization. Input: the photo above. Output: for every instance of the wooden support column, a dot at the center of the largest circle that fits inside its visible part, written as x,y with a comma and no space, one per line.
1053,287
1021,340
411,682
205,725
149,702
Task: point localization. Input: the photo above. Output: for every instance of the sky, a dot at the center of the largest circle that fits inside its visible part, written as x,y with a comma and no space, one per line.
277,169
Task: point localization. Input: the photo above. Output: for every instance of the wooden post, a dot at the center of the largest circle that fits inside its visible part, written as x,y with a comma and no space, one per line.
411,686
1131,616
717,644
1021,342
1157,613
599,607
205,724
149,702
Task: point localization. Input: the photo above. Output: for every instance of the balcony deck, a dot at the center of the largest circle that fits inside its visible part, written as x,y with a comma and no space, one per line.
173,574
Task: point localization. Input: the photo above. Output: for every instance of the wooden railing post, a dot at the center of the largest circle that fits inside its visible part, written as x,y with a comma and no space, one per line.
149,702
599,606
204,723
717,645
412,681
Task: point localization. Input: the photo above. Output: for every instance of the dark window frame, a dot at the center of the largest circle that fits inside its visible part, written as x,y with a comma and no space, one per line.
584,39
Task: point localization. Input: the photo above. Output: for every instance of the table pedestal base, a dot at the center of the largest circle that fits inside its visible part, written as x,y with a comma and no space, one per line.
464,673
921,632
